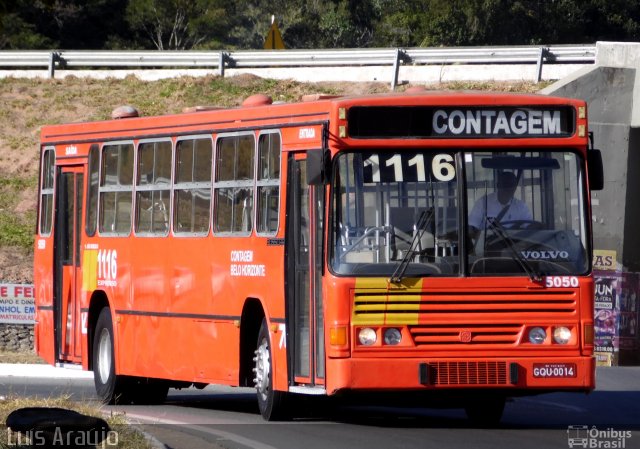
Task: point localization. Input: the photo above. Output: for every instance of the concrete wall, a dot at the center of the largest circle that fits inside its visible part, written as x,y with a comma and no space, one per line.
414,74
16,337
609,89
625,55
631,234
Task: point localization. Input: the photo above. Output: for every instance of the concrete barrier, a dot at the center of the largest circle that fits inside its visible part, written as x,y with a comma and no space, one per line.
431,74
612,90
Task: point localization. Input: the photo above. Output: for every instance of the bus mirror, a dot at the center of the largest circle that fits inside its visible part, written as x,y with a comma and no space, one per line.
317,167
596,170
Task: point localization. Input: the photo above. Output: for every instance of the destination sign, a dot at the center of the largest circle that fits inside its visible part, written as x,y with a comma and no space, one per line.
460,122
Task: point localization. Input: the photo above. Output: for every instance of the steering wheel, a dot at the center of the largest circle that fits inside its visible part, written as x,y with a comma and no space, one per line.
523,224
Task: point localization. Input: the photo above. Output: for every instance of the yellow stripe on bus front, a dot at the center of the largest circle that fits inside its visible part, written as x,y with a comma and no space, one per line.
378,302
90,269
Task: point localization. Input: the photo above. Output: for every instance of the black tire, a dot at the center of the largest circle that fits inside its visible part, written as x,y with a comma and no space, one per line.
486,412
110,388
53,426
272,403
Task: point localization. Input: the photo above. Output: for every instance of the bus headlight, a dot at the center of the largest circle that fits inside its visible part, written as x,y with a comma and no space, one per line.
562,335
367,336
392,336
537,335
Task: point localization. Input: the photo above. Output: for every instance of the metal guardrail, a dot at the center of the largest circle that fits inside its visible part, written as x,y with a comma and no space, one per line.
64,59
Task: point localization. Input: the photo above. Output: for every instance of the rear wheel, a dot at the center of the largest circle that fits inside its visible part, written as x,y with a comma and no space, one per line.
111,388
272,403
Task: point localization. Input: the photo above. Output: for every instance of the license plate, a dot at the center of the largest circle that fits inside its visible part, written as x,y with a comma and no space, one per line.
554,370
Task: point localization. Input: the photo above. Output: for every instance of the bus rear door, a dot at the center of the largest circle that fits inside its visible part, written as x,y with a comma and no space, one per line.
67,274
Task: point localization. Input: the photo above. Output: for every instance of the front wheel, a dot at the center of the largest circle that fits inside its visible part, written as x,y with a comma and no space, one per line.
271,402
111,389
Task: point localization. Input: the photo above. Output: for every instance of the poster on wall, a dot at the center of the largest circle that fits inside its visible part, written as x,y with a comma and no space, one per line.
17,304
628,311
606,319
604,259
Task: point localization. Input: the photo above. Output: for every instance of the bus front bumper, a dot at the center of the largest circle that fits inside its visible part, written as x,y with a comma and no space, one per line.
399,374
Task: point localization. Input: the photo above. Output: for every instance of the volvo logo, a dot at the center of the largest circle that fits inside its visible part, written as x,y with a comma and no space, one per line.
545,255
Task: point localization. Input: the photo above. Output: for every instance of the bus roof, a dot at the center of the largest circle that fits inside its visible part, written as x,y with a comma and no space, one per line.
259,111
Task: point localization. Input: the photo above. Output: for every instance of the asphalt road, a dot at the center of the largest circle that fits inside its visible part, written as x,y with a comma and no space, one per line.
227,417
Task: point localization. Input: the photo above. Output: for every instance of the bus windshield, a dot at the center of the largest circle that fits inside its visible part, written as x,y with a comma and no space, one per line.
524,213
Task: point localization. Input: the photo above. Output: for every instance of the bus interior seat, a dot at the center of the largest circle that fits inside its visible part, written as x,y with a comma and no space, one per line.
123,215
246,209
403,220
160,216
447,219
360,257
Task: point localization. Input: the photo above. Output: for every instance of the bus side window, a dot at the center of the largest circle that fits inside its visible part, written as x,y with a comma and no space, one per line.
92,195
153,184
233,185
116,179
192,188
268,183
46,191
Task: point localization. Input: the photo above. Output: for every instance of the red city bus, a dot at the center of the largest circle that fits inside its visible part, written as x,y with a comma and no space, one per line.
435,244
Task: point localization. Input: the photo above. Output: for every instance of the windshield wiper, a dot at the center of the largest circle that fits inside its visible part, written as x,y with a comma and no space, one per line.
425,218
500,231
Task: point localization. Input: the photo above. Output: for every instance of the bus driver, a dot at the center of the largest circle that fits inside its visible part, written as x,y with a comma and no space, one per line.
500,204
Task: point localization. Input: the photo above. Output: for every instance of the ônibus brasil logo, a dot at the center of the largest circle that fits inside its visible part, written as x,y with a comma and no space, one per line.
584,436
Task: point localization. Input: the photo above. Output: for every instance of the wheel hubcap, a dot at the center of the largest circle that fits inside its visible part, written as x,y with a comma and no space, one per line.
262,369
104,356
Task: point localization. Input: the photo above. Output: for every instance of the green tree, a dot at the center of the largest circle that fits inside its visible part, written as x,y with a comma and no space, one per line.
336,27
348,23
522,22
187,24
400,23
447,24
298,21
179,24
306,23
76,24
15,31
612,20
16,34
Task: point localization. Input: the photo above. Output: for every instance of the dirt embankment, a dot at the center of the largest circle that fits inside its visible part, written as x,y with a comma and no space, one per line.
29,104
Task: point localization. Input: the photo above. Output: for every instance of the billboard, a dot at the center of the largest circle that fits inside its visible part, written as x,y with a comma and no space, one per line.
17,303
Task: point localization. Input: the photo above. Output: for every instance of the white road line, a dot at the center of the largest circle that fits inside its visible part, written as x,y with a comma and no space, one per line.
41,371
221,434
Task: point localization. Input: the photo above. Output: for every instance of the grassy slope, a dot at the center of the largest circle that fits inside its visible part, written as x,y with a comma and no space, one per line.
29,104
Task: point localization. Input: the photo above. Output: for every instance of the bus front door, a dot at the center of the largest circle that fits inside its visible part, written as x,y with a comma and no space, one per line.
305,336
67,274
